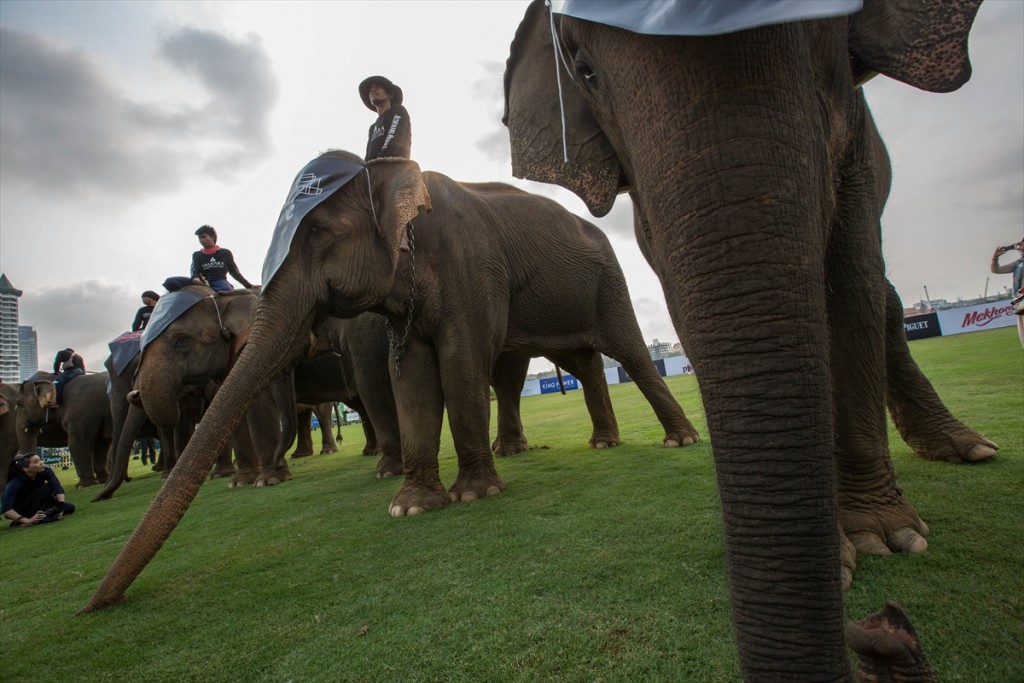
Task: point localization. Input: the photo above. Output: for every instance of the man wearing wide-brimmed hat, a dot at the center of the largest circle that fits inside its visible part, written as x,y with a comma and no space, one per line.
391,133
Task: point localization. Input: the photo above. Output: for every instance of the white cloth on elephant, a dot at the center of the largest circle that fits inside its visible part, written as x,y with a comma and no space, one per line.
700,17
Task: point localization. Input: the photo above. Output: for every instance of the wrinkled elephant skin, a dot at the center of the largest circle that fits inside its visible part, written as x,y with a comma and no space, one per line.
754,169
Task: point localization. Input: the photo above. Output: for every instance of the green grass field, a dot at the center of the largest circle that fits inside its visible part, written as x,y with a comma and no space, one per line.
592,566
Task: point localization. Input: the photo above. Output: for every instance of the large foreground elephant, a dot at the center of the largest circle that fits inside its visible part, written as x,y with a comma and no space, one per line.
752,162
477,282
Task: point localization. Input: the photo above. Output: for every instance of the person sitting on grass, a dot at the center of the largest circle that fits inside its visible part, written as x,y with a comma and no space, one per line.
33,494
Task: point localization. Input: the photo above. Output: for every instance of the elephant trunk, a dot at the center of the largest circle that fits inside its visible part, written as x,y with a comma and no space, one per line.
122,448
268,350
159,383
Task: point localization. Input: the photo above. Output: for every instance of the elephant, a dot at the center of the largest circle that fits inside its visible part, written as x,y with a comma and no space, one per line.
323,411
193,354
350,364
135,423
475,282
82,422
8,429
754,169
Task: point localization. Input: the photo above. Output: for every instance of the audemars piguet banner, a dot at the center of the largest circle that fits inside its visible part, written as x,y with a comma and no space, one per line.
922,326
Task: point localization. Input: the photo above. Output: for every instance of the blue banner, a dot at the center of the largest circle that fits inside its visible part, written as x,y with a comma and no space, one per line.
549,385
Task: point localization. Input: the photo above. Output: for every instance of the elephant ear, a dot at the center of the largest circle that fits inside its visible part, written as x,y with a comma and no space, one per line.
238,315
533,115
923,44
5,407
45,393
398,194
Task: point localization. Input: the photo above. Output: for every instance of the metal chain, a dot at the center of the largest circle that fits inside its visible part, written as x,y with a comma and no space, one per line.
398,346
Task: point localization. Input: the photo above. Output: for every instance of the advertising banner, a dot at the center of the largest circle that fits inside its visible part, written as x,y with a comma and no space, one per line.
531,388
678,365
549,385
986,316
922,326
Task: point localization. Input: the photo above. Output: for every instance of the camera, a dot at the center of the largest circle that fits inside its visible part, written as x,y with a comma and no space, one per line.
52,513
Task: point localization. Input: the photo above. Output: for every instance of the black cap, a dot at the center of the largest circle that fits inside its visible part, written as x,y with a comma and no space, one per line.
364,91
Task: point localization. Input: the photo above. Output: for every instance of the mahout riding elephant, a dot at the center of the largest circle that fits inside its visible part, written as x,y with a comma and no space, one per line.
194,352
476,280
82,422
753,166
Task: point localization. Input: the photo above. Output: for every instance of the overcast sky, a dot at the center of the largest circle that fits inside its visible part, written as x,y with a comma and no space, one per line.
124,126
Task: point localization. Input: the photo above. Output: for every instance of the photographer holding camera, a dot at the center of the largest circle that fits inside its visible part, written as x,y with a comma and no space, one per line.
1017,268
33,494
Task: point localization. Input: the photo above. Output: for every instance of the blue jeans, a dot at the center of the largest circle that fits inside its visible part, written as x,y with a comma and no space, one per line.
63,378
220,285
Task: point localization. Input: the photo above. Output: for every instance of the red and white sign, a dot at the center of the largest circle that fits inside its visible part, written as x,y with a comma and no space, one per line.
976,318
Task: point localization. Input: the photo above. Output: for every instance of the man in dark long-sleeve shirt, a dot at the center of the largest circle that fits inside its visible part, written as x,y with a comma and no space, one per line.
32,489
213,263
67,365
149,297
391,134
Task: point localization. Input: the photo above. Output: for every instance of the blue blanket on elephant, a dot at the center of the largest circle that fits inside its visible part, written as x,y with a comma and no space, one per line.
700,17
123,349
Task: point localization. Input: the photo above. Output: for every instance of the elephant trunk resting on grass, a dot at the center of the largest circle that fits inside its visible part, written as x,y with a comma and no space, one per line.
476,287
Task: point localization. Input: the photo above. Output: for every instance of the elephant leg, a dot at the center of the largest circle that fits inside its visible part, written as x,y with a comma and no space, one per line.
101,458
82,447
466,388
304,448
264,429
873,513
246,459
133,423
921,417
327,442
507,378
679,431
587,367
379,415
420,403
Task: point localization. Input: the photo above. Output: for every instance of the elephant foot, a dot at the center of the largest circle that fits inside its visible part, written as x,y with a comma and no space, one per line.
504,446
475,484
85,483
372,450
328,449
222,473
389,466
414,499
301,454
604,441
882,525
680,439
888,648
243,478
276,476
951,442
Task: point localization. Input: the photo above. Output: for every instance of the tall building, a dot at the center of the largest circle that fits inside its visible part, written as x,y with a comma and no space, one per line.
9,331
659,349
28,351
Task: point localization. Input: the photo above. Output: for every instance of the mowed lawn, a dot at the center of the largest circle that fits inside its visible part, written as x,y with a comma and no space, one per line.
594,565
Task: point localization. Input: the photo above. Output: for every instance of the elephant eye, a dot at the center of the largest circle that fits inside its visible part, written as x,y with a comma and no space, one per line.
182,342
584,71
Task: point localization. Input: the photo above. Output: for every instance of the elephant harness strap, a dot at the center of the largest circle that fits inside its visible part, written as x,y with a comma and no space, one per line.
232,353
398,345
